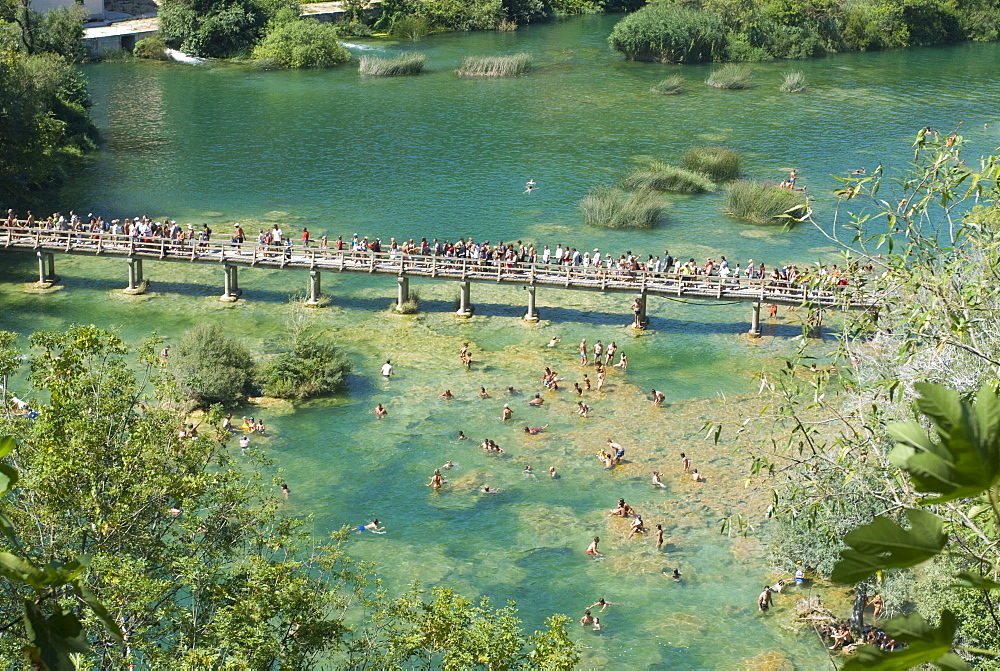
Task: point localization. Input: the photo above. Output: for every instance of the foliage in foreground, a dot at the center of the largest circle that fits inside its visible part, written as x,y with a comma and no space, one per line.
194,560
312,367
612,208
893,464
719,163
494,66
407,64
659,176
761,203
293,42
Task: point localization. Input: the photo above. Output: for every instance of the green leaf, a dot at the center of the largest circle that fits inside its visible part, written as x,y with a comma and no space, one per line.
883,544
21,571
925,645
6,445
8,478
974,580
965,461
99,610
52,638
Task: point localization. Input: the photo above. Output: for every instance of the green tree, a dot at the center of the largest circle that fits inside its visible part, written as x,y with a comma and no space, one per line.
313,367
212,367
291,42
217,28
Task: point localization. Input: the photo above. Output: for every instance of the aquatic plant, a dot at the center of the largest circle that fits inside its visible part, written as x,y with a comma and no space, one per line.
672,85
406,64
409,307
494,66
731,76
667,33
720,164
761,203
795,82
659,176
613,208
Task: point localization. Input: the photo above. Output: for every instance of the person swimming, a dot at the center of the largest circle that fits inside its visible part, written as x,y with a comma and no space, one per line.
538,400
437,480
489,490
535,430
372,527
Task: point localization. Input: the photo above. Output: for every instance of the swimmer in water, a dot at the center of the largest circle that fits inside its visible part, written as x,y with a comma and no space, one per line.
697,477
600,602
380,412
527,470
285,490
483,393
446,394
592,548
373,527
437,480
552,472
582,409
529,186
587,619
448,464
659,536
656,480
538,400
244,442
597,624
553,342
462,436
536,430
488,490
676,575
511,391
507,413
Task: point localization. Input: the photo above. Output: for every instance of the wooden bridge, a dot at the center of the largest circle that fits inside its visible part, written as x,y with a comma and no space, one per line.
812,290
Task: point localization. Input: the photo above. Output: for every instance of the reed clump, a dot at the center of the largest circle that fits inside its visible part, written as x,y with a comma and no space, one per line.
658,176
410,306
671,86
761,203
731,76
494,66
407,64
613,208
719,164
794,82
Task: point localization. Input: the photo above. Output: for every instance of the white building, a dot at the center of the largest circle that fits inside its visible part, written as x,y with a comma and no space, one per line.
95,8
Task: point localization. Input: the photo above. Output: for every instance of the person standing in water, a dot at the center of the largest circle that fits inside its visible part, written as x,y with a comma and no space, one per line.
437,480
659,536
592,548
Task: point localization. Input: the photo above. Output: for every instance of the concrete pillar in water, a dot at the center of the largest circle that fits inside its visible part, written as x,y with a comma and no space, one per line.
639,311
464,297
755,320
231,290
134,276
402,292
46,269
532,314
314,290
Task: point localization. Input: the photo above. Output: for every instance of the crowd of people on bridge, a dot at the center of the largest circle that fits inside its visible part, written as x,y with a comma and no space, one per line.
274,241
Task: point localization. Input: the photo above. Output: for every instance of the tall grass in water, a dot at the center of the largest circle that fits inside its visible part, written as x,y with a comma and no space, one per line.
659,176
407,64
795,82
731,76
761,203
672,85
494,66
718,163
613,208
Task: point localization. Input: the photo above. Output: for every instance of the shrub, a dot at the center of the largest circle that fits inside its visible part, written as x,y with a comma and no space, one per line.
313,367
795,82
659,176
494,66
211,367
407,64
463,14
351,29
672,85
761,203
669,33
613,208
410,27
731,76
411,306
301,43
220,29
718,163
152,47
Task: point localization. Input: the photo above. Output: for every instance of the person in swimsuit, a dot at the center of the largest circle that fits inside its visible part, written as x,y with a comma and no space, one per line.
765,601
637,526
610,356
553,342
437,480
507,413
285,490
600,602
244,442
488,490
592,548
448,464
697,477
462,436
536,430
552,472
446,394
656,480
483,393
586,382
529,186
260,426
583,352
380,412
658,397
587,619
600,379
372,526
659,536
582,408
538,400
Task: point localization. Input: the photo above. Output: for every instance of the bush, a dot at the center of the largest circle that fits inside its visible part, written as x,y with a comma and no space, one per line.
494,66
410,27
301,43
669,33
407,64
659,176
672,85
216,29
153,48
463,14
210,367
761,203
313,367
612,208
718,163
731,76
795,82
411,305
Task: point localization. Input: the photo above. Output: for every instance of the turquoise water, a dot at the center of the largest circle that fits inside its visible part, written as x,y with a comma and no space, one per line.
440,156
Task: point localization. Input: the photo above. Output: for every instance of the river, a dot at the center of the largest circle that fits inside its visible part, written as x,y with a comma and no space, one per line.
440,156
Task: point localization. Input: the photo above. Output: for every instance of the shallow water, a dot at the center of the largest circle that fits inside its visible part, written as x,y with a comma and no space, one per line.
440,156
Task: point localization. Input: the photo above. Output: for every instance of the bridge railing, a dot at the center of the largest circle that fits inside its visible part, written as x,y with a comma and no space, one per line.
808,286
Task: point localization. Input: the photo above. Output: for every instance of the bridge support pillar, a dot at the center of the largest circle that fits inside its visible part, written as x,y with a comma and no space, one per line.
315,295
402,292
464,298
135,280
754,331
532,314
231,288
46,269
639,311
